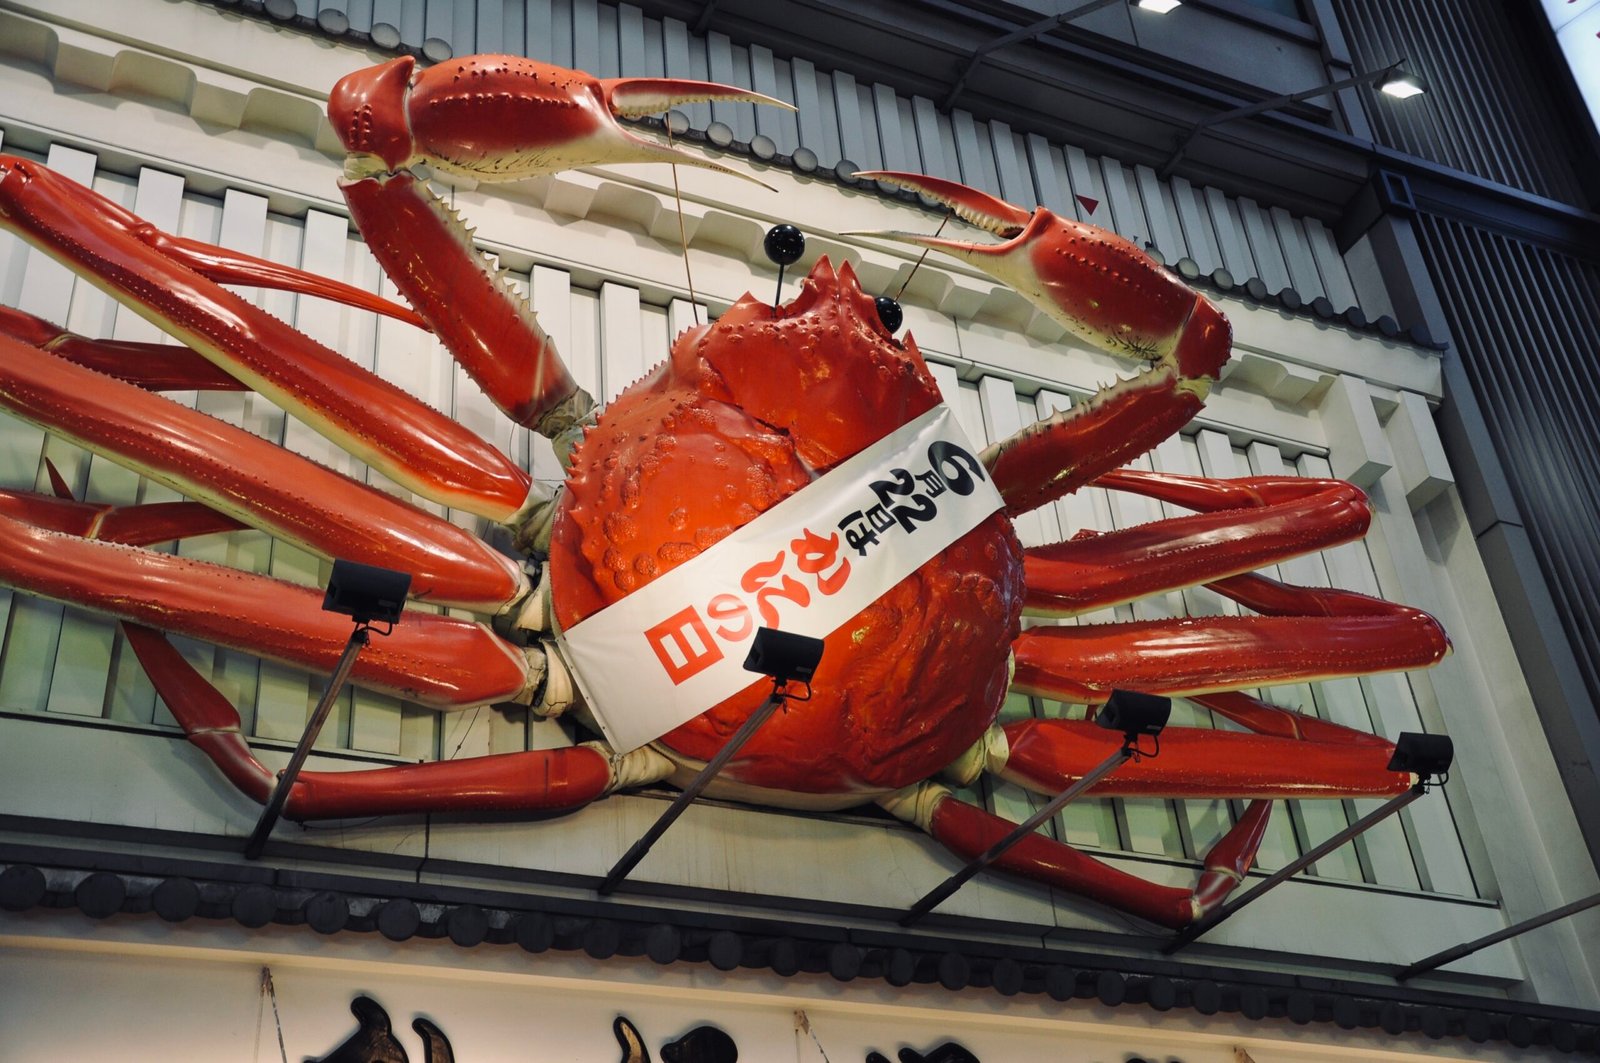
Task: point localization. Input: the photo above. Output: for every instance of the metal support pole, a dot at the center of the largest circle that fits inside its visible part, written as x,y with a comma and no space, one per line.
319,716
1361,826
1439,959
1025,33
933,898
1269,105
632,857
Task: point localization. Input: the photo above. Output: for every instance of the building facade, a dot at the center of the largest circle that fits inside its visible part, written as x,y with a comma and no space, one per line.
1411,293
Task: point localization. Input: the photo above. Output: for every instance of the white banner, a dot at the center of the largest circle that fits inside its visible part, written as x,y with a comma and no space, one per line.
676,647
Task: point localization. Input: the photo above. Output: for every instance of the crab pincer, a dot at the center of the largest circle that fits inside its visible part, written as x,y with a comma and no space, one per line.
489,118
1106,292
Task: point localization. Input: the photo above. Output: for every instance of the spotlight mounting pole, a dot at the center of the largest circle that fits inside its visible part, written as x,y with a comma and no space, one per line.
1450,955
367,594
1424,755
779,654
1133,714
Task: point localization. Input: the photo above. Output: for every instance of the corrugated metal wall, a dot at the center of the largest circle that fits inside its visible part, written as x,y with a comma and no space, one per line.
1526,321
1491,109
66,664
870,126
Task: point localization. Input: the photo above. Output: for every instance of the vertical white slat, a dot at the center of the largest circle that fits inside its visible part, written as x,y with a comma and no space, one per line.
1231,242
620,345
35,625
886,106
949,383
1152,823
583,340
610,65
1203,822
937,158
1383,849
1001,421
722,58
538,30
1179,455
788,135
1048,179
1335,275
764,79
1196,226
1087,184
1441,863
490,27
977,165
413,23
286,692
1297,255
655,339
438,23
683,315
84,654
387,13
549,293
1127,213
808,107
13,256
675,35
358,11
633,43
852,129
1264,249
1314,820
1164,231
375,719
585,35
1011,167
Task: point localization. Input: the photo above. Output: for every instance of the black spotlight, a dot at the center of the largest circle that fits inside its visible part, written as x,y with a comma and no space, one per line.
1422,754
783,655
889,313
366,592
1134,714
784,244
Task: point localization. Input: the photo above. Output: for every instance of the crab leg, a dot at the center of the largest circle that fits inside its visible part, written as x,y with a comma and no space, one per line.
1107,292
1244,524
153,366
255,481
142,525
1301,757
493,118
969,831
436,660
168,282
539,780
1306,635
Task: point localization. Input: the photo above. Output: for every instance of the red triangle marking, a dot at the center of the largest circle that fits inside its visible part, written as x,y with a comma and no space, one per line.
1089,205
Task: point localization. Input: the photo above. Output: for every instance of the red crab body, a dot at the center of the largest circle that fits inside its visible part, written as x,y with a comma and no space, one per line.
746,412
743,415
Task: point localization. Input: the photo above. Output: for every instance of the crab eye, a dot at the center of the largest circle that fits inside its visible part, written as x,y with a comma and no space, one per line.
889,313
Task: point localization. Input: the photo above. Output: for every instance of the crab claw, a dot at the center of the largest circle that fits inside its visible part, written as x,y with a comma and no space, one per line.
1104,291
504,118
1095,284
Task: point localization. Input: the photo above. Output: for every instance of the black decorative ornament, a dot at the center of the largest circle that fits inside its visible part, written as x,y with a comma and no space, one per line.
703,1044
889,313
784,244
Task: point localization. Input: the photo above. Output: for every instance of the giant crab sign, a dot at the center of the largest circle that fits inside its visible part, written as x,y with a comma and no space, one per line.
744,414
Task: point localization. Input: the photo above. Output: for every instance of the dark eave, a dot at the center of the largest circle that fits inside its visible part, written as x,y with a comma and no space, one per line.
104,886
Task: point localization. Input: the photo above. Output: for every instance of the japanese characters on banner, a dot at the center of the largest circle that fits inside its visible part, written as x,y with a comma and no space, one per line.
676,647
